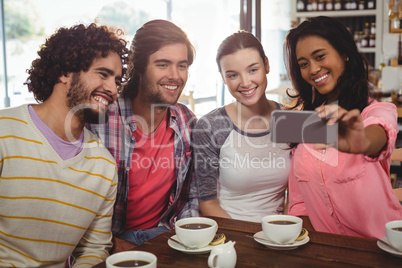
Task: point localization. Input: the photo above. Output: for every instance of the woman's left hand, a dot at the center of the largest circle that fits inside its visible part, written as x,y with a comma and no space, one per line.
351,134
353,137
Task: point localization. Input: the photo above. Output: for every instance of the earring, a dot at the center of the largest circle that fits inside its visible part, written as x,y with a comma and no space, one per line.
347,59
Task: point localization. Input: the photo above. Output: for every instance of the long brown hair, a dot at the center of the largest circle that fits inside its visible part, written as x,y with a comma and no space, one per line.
352,86
148,39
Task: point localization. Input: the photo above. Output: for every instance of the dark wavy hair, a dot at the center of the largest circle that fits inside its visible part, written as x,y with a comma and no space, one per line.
237,41
352,85
148,39
71,50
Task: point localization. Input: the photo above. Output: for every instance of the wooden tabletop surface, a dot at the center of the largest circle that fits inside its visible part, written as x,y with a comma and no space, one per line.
323,250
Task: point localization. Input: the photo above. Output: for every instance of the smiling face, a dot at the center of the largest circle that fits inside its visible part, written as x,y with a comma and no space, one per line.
320,64
245,74
92,92
165,76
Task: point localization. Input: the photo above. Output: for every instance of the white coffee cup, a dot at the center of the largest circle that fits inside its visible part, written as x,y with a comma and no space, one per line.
394,236
199,237
148,258
281,233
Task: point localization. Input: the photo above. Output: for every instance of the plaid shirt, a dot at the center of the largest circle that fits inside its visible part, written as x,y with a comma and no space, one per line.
117,136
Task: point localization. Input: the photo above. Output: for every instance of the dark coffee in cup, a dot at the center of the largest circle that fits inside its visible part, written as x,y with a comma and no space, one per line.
195,226
131,263
282,222
397,229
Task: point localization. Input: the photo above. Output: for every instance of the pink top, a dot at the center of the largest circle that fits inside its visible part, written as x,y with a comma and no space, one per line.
348,194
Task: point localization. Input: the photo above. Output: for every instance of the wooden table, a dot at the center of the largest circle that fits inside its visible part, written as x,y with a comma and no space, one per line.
323,250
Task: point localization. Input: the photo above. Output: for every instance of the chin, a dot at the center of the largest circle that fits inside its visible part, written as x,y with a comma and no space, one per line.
95,117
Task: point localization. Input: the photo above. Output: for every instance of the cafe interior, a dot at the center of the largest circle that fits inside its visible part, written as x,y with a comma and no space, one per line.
376,26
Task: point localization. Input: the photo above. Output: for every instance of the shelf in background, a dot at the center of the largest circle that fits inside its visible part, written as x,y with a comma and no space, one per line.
340,13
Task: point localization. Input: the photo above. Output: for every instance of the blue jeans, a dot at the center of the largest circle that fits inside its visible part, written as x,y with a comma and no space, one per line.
140,236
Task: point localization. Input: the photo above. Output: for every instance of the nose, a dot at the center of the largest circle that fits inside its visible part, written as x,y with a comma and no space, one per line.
314,67
173,72
111,87
245,81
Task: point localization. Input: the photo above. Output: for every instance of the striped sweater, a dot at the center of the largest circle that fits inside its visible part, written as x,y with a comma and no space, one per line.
49,207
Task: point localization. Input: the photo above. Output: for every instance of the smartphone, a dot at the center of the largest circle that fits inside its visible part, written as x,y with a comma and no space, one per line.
301,127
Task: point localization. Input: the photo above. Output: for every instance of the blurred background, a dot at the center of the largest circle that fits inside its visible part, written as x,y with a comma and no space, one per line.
25,24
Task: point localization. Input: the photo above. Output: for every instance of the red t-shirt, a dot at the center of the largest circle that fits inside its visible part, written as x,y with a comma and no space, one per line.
152,175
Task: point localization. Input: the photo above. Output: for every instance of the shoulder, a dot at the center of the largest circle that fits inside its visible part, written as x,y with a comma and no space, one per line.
19,110
179,110
216,117
376,108
15,114
183,116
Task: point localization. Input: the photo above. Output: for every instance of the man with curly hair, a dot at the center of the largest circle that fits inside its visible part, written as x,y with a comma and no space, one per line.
58,183
149,135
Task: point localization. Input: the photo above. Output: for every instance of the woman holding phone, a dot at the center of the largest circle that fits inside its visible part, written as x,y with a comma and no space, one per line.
239,172
344,188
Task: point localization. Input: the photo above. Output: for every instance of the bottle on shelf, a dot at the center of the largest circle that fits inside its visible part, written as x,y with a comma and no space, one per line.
400,51
364,40
370,4
329,6
308,5
372,40
314,5
338,5
362,5
321,5
349,4
366,29
352,5
301,6
372,28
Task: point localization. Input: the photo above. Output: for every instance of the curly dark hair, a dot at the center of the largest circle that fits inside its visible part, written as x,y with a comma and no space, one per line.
352,87
71,50
151,37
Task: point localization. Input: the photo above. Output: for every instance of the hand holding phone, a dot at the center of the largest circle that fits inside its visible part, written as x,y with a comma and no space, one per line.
301,127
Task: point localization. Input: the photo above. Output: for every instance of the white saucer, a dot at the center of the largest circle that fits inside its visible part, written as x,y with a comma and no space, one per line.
272,245
179,247
388,248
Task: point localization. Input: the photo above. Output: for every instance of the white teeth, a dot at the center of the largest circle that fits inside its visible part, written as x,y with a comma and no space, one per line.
101,100
321,78
170,87
248,92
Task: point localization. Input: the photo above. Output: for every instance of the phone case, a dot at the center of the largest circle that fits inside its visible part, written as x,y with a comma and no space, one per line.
301,127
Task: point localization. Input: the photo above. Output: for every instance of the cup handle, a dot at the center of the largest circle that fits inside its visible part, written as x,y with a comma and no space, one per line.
212,259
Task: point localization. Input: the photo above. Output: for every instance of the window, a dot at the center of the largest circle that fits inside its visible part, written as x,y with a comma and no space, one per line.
207,23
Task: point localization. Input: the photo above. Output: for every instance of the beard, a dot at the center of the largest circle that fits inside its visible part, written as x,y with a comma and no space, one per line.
152,96
78,100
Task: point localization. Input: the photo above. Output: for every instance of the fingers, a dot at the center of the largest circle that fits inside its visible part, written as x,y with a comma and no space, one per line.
322,146
334,113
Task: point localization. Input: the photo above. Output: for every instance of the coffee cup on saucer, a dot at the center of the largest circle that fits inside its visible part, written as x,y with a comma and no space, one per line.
281,229
393,230
196,232
141,259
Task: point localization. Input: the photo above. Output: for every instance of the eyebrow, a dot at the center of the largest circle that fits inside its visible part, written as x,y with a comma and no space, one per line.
108,71
169,61
314,52
251,65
